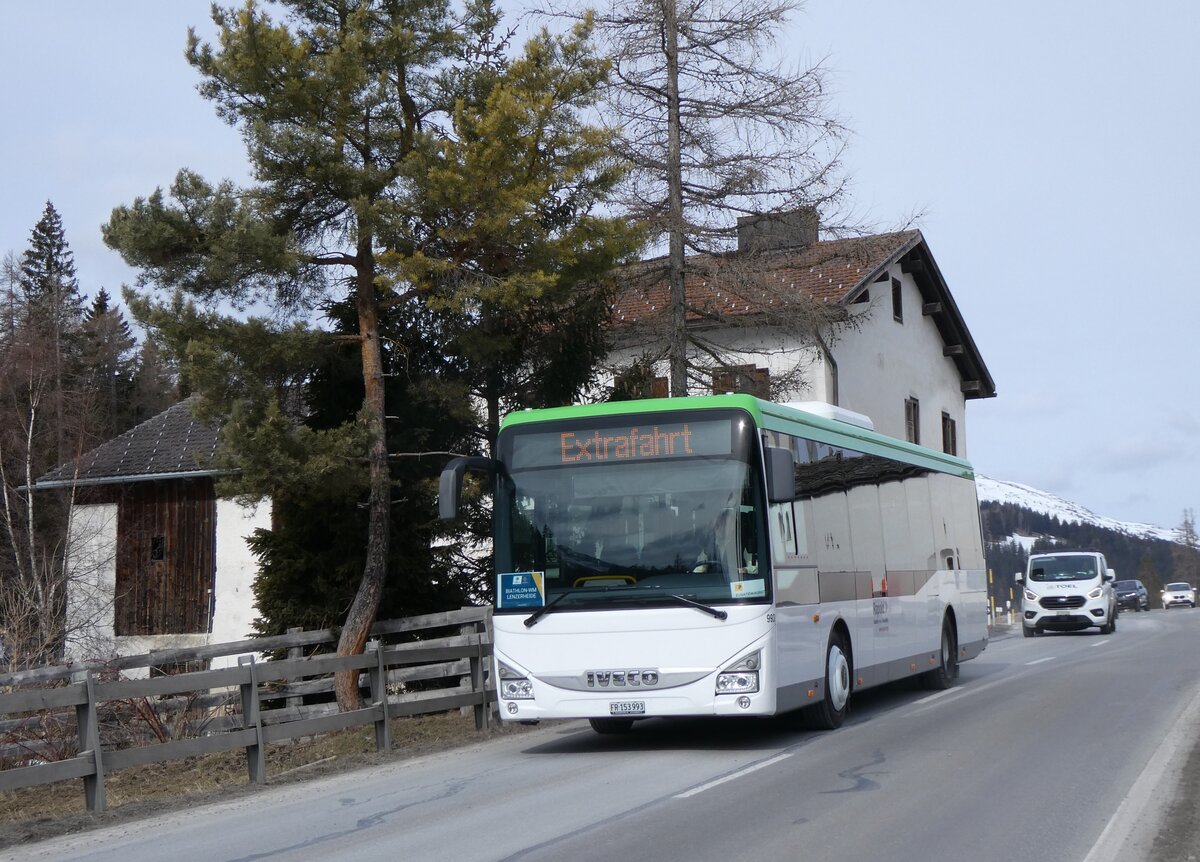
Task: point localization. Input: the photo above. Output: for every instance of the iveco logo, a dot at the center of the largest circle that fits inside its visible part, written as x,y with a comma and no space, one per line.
620,678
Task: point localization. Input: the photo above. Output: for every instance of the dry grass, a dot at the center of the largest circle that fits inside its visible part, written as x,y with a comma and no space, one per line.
34,813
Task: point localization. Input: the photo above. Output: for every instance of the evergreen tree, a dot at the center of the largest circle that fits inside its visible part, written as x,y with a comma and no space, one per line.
54,310
348,111
107,365
1187,551
153,388
1150,578
48,278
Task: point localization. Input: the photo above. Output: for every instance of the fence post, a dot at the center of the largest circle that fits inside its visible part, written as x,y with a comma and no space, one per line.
478,685
256,762
89,743
377,677
295,653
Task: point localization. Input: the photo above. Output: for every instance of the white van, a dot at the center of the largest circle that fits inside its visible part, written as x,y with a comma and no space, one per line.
1068,592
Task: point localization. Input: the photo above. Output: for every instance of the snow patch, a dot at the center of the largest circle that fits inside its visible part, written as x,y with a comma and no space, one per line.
1000,491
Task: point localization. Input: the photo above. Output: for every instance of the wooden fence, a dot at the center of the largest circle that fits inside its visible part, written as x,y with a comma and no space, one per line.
258,702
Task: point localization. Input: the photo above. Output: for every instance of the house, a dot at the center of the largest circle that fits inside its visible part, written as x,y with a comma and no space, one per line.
156,559
903,354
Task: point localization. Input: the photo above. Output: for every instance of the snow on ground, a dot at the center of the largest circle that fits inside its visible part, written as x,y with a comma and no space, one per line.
1000,491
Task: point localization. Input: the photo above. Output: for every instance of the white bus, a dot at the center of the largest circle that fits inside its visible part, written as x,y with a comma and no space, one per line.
722,556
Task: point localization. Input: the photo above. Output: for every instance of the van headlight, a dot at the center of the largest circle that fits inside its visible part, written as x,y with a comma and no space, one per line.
1096,593
740,677
513,684
1031,595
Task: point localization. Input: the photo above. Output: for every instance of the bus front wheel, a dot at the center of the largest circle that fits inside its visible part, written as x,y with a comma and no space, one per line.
609,726
831,712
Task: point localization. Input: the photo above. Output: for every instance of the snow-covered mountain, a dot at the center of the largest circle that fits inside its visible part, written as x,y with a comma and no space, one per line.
999,491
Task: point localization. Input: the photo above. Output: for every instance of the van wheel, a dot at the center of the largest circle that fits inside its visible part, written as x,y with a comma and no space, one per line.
831,711
1110,626
943,676
611,726
1027,631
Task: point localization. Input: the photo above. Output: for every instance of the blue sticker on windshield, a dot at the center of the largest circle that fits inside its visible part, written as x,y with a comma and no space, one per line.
521,590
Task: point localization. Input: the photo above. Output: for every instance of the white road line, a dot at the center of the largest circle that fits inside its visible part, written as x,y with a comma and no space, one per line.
734,775
1130,832
930,697
1040,660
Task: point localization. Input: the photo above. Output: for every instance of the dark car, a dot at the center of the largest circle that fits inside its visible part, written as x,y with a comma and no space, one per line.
1132,595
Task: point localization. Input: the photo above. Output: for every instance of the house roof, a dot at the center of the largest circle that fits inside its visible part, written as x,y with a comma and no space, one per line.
171,445
830,271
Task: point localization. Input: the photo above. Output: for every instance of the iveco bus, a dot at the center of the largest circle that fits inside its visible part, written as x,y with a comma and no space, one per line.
722,556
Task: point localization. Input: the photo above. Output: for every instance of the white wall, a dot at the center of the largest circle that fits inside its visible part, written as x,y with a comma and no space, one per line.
885,361
92,585
91,580
879,365
236,569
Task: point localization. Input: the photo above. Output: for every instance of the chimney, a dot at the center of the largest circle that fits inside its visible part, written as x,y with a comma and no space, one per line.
773,231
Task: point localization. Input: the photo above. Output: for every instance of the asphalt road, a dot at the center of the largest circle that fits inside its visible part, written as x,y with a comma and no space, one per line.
1064,747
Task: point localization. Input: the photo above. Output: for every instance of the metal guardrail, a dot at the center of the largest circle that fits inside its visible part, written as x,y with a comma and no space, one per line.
464,656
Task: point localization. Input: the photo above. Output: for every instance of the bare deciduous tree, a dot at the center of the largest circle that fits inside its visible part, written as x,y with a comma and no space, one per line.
718,125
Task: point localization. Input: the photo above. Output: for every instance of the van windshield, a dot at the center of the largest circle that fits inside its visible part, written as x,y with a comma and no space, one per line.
1063,567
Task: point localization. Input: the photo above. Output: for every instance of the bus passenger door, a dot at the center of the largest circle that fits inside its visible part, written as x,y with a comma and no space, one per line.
799,646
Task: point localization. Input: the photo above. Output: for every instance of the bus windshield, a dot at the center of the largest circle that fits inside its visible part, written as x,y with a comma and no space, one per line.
635,533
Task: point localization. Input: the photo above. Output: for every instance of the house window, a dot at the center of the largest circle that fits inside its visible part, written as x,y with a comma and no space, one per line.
745,379
949,435
897,302
912,420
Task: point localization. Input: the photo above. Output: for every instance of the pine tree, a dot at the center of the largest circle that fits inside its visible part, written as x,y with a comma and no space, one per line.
1187,551
348,111
107,365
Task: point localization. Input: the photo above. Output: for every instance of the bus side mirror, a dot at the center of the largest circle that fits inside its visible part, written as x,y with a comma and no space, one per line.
781,475
450,484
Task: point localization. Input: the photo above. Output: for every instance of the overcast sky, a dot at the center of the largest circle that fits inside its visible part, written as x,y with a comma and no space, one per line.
1052,147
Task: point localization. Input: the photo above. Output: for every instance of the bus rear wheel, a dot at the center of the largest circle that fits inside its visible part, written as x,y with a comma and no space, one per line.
611,726
831,711
943,676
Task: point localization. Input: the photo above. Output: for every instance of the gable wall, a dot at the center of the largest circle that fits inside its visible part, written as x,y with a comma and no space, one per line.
884,362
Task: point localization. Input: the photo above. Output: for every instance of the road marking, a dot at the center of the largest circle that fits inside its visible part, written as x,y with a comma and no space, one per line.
1130,831
754,767
930,697
1040,660
1101,643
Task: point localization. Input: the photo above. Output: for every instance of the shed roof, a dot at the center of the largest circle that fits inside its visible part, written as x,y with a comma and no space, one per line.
171,445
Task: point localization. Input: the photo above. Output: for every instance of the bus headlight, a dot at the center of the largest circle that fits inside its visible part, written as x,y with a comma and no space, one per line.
740,677
513,685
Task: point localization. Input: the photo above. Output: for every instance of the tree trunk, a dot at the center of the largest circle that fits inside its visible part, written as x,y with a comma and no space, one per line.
677,340
366,603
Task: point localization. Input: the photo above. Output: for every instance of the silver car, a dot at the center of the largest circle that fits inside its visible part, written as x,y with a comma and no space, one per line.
1178,594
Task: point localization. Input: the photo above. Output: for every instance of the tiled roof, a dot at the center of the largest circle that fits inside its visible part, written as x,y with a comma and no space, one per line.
828,271
170,443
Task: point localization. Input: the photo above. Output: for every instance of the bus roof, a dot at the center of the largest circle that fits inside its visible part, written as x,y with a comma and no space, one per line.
767,415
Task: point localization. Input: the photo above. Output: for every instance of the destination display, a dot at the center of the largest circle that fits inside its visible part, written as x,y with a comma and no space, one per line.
641,442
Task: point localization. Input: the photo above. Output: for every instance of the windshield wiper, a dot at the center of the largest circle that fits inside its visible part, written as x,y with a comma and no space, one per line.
545,609
716,612
532,619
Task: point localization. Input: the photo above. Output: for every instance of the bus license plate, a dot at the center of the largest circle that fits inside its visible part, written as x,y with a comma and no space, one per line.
627,707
